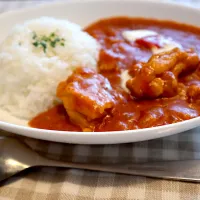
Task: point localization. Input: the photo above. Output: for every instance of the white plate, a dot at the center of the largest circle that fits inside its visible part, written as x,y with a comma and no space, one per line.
84,12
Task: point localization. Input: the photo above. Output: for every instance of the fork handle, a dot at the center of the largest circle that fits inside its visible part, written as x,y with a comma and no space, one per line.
186,170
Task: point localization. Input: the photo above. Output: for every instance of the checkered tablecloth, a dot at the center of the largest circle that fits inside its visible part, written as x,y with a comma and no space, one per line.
60,184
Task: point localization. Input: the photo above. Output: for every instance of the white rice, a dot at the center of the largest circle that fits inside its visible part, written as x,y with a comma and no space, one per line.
29,76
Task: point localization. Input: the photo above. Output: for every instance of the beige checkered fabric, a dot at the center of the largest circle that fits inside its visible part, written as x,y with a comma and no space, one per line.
60,184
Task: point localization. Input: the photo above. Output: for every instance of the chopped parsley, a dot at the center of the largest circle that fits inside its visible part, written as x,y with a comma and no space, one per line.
35,44
47,41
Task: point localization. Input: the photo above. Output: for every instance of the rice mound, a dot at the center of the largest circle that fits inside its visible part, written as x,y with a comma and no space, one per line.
29,76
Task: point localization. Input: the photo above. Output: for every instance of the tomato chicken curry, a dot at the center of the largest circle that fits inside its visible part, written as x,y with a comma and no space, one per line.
141,82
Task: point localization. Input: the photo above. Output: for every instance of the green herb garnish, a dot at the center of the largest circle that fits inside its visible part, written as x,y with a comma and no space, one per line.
35,44
47,41
52,34
44,46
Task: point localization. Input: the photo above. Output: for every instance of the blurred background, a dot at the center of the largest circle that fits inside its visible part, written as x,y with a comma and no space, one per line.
16,4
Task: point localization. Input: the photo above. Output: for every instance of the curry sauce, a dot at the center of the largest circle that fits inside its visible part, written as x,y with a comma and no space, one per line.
117,55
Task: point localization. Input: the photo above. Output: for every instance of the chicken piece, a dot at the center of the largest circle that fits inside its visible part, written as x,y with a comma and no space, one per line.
171,85
86,96
159,76
193,91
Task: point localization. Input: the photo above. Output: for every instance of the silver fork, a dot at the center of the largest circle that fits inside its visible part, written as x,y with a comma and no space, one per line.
15,156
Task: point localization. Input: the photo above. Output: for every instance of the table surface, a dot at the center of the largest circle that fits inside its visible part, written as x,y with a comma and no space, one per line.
59,184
